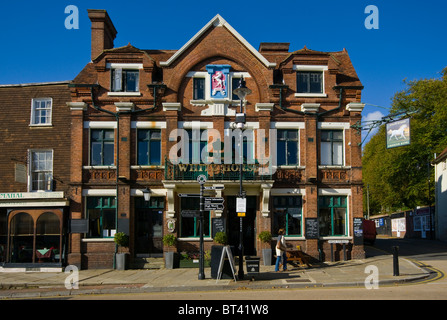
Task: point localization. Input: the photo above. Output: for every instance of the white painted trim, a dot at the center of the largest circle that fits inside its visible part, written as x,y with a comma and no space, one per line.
355,107
154,192
218,21
288,191
333,125
99,124
47,203
297,67
311,95
98,192
333,192
287,125
172,106
148,124
82,106
264,107
134,66
124,94
195,125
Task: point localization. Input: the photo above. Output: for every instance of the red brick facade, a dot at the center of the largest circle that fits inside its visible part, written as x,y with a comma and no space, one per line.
163,100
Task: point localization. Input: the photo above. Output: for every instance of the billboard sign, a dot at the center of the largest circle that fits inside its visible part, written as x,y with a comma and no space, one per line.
398,133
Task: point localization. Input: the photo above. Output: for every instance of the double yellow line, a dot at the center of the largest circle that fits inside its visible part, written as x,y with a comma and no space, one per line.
439,274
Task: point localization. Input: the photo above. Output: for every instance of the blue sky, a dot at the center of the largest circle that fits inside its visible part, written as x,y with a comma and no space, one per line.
409,44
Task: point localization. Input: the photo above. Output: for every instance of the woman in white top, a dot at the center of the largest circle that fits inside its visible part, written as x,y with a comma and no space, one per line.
281,251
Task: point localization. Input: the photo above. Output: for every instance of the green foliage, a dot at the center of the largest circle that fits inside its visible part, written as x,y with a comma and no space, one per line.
121,239
221,237
398,177
169,240
265,236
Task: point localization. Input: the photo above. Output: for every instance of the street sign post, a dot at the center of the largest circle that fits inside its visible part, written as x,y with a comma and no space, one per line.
201,179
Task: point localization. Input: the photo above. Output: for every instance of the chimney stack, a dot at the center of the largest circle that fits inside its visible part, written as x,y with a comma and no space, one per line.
103,31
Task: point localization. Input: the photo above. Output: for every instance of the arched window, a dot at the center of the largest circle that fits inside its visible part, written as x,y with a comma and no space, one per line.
22,238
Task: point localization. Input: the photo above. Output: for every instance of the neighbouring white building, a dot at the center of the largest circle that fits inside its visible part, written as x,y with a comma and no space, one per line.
440,164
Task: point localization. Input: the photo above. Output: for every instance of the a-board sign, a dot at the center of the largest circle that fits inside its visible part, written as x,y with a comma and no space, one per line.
226,251
312,231
358,231
218,225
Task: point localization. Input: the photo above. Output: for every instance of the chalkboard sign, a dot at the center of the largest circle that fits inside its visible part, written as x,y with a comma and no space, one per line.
312,228
218,225
358,231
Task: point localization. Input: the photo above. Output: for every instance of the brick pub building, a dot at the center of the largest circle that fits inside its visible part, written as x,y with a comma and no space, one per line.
130,109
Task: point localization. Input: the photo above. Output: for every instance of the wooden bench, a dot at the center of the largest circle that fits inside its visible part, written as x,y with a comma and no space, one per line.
297,255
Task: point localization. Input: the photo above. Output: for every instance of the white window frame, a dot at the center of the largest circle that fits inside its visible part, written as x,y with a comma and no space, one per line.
33,123
311,68
124,66
31,153
334,126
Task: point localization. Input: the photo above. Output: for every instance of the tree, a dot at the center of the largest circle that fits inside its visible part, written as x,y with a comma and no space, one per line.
398,177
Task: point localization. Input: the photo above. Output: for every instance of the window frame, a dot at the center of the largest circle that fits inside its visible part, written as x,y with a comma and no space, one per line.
286,207
34,111
148,140
111,204
195,89
331,206
311,69
31,171
331,140
102,146
287,140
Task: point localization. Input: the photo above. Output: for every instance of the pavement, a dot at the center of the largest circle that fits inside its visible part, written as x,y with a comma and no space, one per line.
352,273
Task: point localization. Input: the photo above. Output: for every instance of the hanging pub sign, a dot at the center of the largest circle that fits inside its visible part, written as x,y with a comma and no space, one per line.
398,133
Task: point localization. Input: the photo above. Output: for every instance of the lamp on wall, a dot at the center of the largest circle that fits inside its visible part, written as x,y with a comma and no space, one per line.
146,194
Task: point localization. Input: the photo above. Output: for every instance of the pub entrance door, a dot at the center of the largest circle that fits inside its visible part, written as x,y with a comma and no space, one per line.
149,226
248,225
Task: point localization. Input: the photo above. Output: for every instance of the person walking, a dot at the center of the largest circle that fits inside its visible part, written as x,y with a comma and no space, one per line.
281,256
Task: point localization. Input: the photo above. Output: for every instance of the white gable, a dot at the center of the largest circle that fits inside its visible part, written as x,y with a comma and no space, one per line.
218,21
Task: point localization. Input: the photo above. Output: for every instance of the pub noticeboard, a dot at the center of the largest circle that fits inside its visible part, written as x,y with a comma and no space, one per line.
358,231
312,228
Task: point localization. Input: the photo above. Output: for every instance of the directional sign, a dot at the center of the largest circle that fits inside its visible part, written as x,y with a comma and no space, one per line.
214,188
214,200
188,195
213,206
190,213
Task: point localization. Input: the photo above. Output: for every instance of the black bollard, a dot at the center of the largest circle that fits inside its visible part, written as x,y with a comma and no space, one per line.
395,261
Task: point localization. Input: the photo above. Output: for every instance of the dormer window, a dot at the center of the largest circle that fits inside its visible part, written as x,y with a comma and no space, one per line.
125,78
310,81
